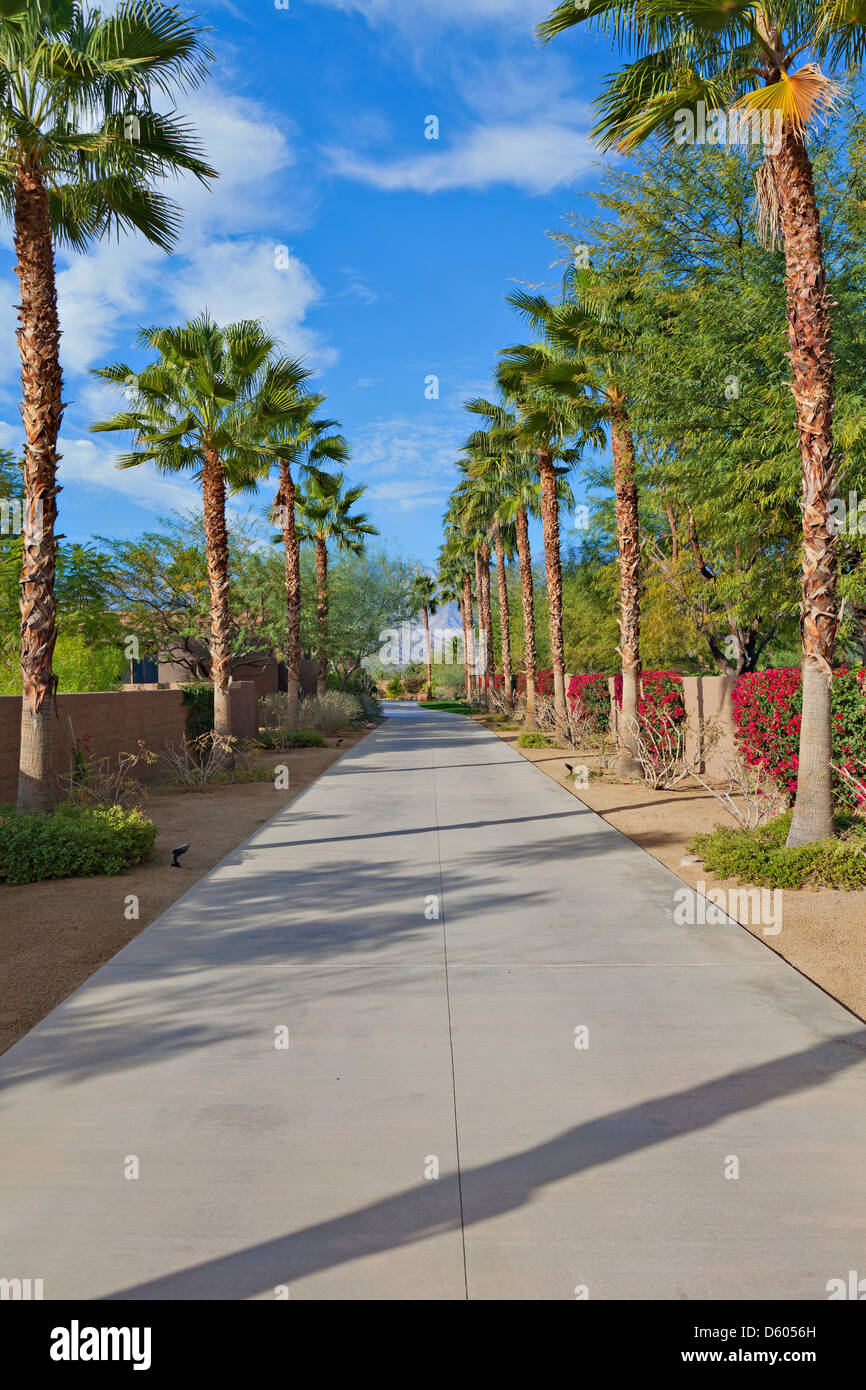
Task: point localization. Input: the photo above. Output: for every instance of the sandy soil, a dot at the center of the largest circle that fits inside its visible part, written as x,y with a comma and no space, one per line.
823,931
54,935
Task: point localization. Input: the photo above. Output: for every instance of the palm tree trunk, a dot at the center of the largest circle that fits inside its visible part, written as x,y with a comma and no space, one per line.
481,668
322,614
530,657
428,653
293,594
628,537
553,565
468,635
213,487
812,371
504,624
41,411
488,620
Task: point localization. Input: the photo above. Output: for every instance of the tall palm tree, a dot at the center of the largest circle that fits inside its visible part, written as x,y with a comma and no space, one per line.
304,444
455,559
743,58
204,406
591,335
326,517
425,599
83,155
497,458
489,473
546,418
472,508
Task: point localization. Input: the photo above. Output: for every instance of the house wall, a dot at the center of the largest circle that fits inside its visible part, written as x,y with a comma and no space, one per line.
112,721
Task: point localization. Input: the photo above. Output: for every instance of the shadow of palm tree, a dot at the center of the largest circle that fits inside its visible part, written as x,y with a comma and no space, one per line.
431,1208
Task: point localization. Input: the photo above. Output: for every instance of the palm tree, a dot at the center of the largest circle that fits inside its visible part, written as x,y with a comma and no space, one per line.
204,406
497,457
305,444
326,516
740,61
591,335
455,577
545,419
425,599
83,153
472,509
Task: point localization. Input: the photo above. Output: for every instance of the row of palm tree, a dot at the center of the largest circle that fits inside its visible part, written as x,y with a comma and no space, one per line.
225,405
86,149
566,389
763,58
73,84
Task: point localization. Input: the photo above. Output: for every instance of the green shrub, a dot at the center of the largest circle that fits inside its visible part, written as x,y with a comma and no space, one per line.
72,842
535,741
449,706
198,696
761,856
300,738
414,677
371,705
394,689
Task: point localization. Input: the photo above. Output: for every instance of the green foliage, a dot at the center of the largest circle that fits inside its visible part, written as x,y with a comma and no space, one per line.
394,689
413,678
199,699
368,594
72,842
532,740
72,78
450,706
761,856
298,738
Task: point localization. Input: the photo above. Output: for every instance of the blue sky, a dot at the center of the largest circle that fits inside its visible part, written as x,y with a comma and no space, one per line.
400,248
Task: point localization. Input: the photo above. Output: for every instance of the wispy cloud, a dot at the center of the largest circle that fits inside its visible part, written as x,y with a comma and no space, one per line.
536,156
522,13
407,462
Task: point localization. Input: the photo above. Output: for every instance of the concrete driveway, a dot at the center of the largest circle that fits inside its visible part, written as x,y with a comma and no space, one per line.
433,1033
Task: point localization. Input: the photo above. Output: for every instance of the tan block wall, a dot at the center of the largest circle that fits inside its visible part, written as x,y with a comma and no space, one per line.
709,705
113,721
245,709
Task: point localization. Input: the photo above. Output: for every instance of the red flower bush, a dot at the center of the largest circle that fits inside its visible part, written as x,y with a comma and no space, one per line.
660,699
543,683
768,707
590,699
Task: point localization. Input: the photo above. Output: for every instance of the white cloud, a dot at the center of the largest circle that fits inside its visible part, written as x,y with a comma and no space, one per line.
240,279
224,261
89,465
536,156
407,463
524,13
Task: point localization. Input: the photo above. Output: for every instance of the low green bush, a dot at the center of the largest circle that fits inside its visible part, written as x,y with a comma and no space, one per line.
535,741
72,842
449,706
761,856
371,705
300,738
